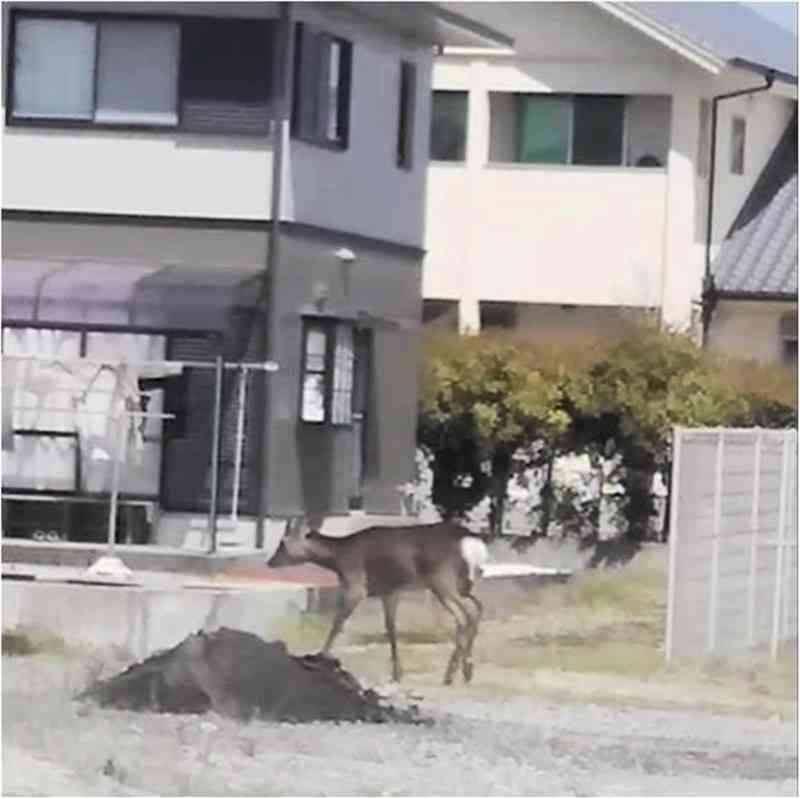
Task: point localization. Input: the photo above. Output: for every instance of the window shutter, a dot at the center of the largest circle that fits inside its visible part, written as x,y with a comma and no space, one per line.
227,76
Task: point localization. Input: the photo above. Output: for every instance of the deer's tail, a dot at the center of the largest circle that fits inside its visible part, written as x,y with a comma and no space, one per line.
475,555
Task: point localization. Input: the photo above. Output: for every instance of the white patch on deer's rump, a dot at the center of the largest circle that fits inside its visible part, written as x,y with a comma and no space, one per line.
475,555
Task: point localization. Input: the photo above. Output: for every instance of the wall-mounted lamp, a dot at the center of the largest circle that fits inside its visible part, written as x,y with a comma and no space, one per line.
345,255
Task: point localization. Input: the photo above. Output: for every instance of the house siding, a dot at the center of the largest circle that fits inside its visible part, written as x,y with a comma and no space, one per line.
585,235
310,465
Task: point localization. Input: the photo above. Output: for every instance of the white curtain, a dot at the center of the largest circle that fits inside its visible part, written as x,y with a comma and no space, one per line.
54,68
138,72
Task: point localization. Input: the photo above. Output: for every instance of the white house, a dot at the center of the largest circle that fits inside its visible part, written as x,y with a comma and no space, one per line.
752,299
201,181
569,179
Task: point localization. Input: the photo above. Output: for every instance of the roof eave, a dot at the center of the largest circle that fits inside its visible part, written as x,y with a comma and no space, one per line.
491,37
760,69
701,56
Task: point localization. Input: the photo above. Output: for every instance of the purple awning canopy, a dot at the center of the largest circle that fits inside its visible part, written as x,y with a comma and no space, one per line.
130,294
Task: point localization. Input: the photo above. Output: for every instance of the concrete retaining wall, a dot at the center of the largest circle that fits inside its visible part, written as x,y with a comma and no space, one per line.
144,621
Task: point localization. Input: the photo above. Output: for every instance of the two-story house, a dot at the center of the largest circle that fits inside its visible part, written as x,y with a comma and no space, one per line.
569,177
203,183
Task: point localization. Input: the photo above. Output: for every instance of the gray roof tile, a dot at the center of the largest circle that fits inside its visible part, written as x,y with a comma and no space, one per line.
759,256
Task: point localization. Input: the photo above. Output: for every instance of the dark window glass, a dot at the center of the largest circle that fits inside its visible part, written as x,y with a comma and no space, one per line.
449,126
405,118
597,131
738,131
498,314
227,75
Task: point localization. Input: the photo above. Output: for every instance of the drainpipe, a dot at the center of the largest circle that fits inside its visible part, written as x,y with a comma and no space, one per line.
282,88
709,296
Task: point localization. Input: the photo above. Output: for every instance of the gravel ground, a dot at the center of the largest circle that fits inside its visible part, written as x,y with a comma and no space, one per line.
476,746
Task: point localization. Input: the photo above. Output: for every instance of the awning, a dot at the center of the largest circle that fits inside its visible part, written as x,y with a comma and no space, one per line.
126,293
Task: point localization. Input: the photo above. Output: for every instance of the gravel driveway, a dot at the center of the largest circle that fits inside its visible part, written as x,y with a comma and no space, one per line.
474,747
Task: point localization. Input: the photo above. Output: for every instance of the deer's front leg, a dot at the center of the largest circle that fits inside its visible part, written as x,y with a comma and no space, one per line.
349,598
390,616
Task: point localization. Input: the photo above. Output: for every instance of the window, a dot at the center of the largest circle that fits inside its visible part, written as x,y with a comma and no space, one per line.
108,71
544,126
738,129
498,314
226,75
405,116
137,73
328,369
598,124
321,112
114,71
57,433
584,129
449,126
558,129
54,68
704,139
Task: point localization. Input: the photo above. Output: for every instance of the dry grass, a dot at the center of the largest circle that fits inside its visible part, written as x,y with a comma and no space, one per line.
596,638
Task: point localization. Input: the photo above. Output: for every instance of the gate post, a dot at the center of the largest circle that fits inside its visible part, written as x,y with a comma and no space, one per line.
754,512
669,643
776,605
715,545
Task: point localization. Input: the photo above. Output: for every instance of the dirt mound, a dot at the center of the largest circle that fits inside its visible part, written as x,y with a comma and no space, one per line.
238,674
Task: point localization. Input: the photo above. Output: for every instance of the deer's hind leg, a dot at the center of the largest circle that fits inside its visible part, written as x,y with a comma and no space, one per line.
475,616
390,601
456,608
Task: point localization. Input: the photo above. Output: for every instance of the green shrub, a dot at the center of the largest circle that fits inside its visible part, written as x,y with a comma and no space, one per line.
489,397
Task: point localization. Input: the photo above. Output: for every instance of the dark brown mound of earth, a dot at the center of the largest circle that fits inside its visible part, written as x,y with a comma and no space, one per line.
238,674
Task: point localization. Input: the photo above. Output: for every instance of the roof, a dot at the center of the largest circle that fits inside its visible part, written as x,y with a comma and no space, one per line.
434,24
732,31
758,258
712,35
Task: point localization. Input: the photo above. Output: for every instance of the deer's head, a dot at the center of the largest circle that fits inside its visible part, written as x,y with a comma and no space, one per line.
298,542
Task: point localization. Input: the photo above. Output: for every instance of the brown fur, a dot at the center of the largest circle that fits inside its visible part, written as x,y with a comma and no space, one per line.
382,561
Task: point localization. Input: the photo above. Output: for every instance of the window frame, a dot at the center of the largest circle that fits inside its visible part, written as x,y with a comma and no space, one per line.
89,124
344,91
329,325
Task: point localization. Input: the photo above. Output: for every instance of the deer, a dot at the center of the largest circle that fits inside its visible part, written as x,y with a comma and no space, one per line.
446,558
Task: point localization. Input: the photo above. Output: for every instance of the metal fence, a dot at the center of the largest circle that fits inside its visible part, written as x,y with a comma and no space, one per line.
733,541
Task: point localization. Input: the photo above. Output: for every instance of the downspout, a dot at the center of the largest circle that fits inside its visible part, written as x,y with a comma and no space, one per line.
709,296
282,87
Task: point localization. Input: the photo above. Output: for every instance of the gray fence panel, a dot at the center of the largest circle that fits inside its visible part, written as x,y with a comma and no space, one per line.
733,541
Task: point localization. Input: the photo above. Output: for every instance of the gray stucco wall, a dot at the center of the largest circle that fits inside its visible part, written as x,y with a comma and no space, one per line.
310,466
